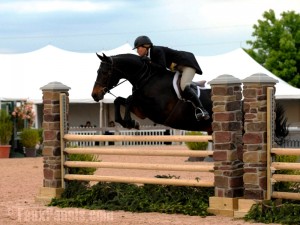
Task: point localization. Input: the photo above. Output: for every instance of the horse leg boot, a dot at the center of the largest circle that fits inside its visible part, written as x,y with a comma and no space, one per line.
189,94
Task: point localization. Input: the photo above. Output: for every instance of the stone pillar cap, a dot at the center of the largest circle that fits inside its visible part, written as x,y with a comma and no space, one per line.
56,86
260,78
225,79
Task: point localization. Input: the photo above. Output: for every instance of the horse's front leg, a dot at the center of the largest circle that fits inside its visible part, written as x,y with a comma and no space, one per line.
127,122
130,123
117,103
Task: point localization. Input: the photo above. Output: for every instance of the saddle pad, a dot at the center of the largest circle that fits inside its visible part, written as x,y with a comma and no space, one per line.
176,86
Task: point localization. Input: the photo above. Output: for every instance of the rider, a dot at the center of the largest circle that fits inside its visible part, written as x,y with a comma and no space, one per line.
185,62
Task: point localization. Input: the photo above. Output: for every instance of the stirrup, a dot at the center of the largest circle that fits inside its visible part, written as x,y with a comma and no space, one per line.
202,114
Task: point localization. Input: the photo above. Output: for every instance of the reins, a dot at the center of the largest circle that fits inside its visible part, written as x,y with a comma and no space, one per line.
138,83
108,91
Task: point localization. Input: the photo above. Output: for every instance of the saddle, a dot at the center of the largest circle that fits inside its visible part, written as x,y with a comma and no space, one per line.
197,86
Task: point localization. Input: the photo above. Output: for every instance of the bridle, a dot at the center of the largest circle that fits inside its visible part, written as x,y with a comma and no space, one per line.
140,82
111,69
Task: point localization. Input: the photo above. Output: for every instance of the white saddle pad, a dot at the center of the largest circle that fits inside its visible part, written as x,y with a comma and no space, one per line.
175,79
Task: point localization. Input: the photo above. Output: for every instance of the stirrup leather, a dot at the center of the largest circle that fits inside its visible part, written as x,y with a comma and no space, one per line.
201,113
198,111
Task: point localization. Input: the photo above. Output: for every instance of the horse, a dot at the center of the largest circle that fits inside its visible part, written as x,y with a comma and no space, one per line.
153,95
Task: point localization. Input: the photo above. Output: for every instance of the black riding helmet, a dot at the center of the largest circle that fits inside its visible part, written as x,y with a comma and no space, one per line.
142,40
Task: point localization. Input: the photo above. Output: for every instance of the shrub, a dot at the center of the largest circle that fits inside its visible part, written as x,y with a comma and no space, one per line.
29,137
275,212
138,198
82,157
6,127
196,145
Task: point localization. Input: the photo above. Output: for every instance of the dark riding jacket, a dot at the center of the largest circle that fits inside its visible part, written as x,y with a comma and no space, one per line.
164,57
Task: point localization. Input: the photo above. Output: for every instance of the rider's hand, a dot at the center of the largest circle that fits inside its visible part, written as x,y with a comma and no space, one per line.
173,67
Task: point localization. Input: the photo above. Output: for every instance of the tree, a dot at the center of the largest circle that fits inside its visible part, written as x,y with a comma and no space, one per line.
277,45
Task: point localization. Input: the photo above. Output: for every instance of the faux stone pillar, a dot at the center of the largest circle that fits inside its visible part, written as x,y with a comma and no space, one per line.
255,135
227,144
52,186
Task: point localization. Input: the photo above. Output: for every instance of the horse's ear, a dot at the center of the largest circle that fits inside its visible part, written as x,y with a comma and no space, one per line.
99,56
102,57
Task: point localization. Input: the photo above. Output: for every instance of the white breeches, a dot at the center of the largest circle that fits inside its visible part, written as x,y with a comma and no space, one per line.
188,74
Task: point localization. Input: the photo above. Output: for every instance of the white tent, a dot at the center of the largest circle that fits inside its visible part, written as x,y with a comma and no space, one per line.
239,64
22,75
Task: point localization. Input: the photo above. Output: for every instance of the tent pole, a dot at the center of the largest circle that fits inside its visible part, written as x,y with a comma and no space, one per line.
101,115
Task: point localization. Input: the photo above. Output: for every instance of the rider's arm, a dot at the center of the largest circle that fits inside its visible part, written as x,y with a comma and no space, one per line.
158,58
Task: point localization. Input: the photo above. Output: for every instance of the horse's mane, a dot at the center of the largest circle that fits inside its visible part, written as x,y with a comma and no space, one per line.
127,56
128,60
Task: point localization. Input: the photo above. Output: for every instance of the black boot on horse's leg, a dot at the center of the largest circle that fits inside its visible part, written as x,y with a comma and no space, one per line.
189,94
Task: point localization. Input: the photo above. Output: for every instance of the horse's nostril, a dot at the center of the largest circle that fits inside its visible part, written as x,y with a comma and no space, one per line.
94,96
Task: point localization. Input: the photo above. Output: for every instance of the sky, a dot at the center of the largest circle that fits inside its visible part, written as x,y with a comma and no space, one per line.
204,27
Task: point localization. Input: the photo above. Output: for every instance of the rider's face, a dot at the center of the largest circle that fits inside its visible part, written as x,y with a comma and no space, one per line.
142,51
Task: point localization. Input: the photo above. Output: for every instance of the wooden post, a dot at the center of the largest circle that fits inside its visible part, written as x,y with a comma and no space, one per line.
52,185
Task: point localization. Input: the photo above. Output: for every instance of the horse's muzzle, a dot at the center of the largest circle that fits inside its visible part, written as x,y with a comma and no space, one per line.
98,92
97,96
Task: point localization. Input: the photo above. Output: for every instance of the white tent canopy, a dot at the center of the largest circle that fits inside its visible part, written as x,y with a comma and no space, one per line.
22,75
239,64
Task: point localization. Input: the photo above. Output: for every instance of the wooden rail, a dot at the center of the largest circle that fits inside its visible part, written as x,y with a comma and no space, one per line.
286,195
138,152
141,180
286,151
285,166
141,166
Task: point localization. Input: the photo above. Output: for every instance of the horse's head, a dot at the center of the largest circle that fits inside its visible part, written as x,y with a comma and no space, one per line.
106,80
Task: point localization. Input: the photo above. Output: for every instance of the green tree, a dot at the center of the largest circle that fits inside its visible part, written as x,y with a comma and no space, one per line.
277,45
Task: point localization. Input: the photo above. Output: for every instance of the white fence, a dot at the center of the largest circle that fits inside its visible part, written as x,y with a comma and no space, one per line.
291,144
84,131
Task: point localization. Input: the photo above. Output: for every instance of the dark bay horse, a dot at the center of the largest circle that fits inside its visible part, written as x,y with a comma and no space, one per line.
153,94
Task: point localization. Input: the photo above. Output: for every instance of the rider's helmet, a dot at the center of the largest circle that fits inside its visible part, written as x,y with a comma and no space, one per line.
142,40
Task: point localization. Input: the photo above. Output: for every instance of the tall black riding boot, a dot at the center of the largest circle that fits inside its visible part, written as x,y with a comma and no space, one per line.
190,95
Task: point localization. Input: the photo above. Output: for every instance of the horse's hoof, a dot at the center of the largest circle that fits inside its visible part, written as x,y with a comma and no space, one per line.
201,114
136,125
206,117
